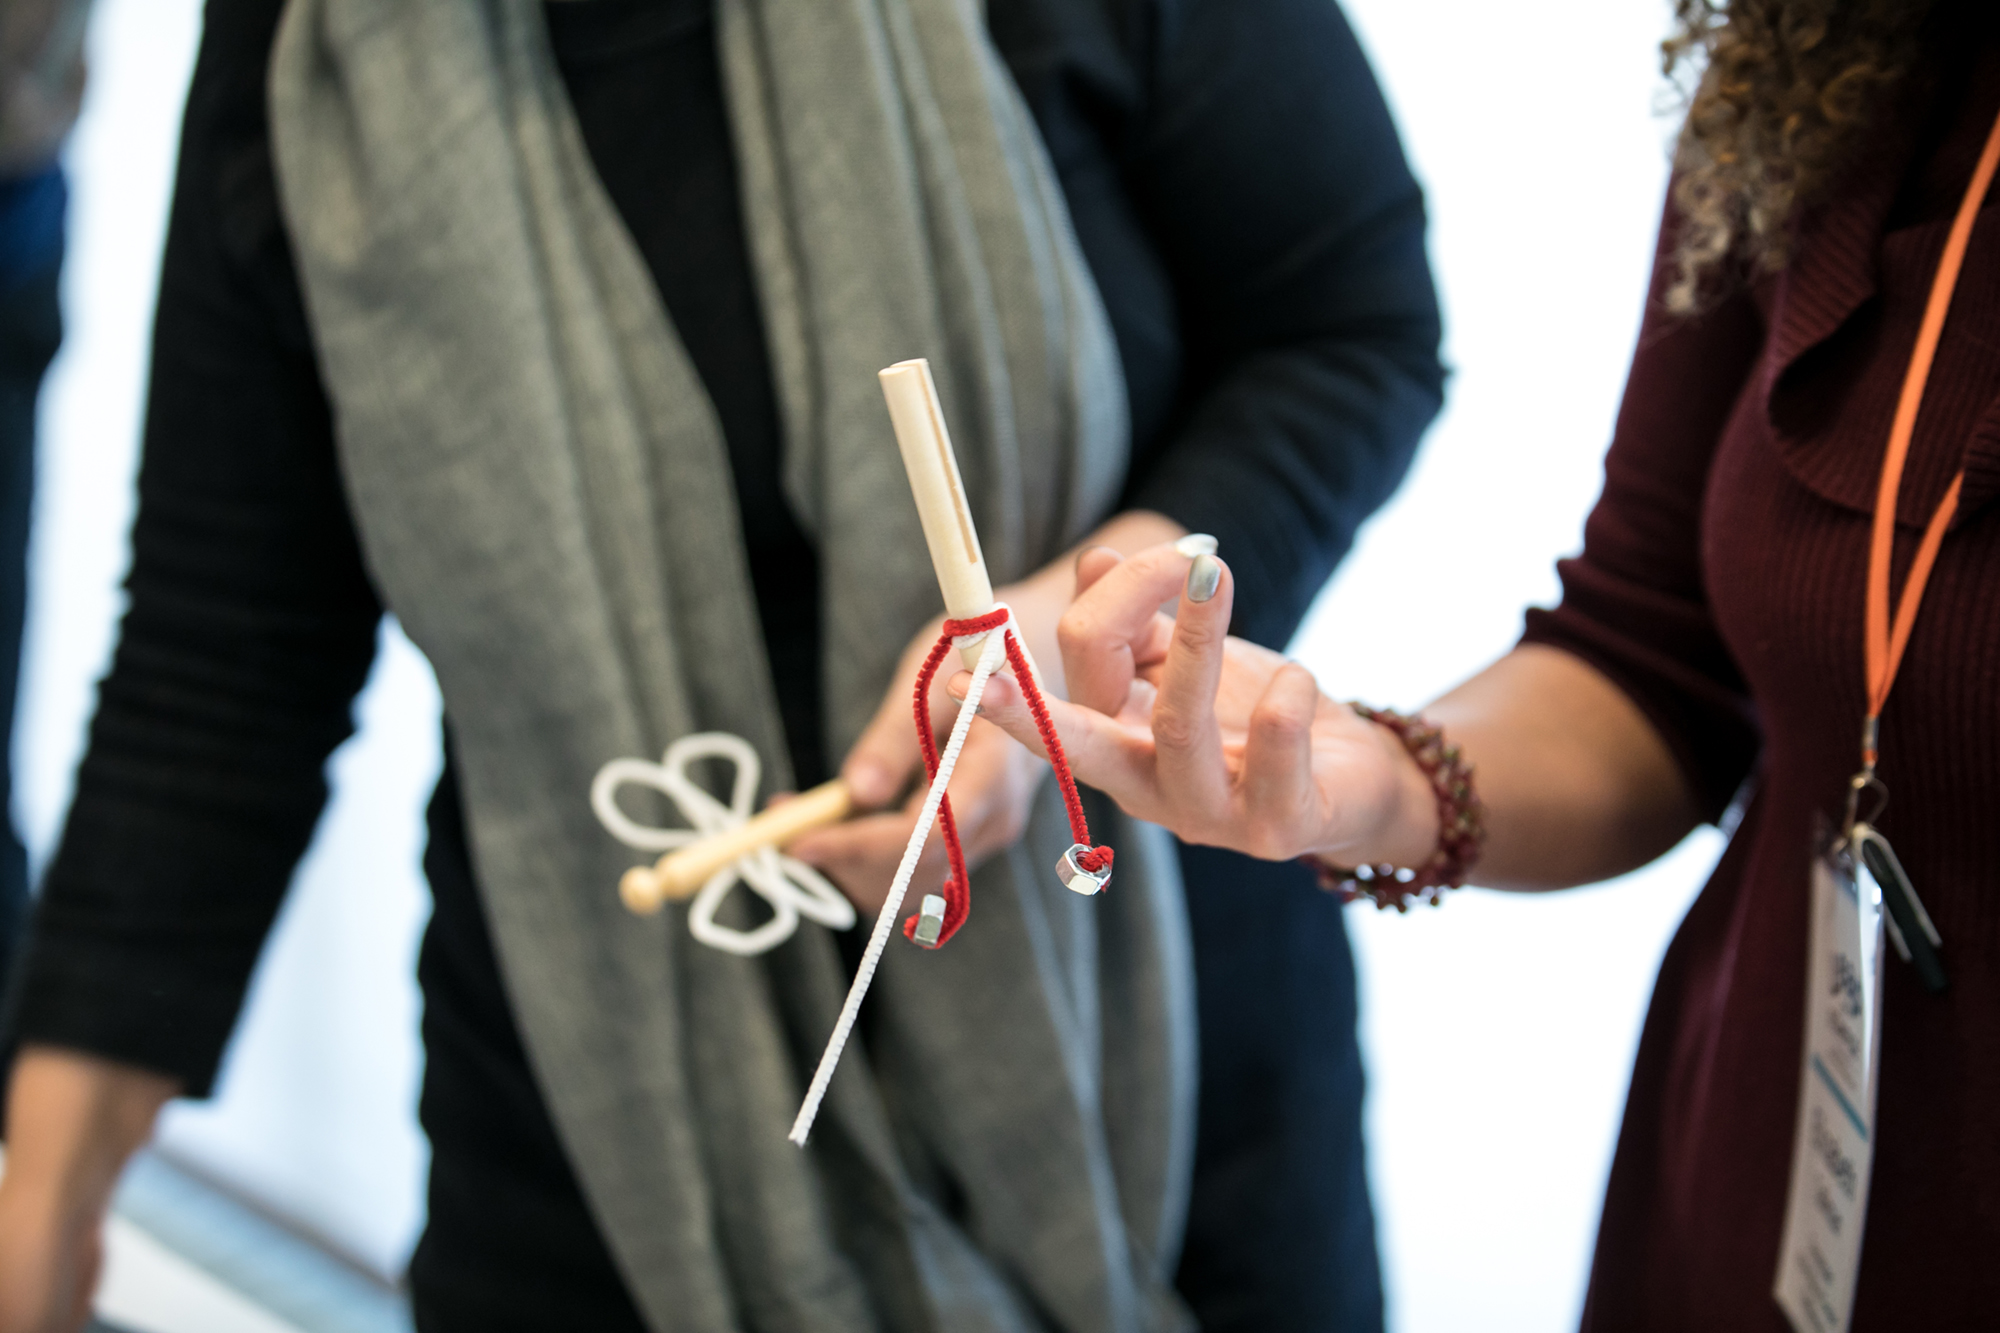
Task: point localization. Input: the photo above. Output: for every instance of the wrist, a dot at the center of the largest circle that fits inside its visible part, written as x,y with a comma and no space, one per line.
1411,837
1402,828
1434,830
72,1122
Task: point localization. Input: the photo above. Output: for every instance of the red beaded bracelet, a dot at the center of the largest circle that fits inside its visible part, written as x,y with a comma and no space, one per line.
1461,825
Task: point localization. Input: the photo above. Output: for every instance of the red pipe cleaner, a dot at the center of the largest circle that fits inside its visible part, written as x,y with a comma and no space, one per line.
957,891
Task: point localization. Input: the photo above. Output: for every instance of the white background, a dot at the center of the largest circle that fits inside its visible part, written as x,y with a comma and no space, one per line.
1499,1030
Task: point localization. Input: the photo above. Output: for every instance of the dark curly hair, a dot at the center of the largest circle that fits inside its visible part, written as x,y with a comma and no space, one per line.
1786,88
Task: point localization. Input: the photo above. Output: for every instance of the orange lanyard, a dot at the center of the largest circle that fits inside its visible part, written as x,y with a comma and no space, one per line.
1885,644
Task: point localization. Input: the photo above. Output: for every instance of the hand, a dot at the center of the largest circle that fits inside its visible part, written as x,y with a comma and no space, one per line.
994,784
1220,741
72,1121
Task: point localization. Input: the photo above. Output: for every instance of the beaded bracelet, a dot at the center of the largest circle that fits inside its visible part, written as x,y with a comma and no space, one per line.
1461,825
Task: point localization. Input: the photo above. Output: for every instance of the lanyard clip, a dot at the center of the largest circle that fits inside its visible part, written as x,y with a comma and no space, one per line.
1864,781
1909,926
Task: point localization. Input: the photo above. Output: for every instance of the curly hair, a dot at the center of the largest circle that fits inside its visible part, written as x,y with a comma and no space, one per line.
1786,89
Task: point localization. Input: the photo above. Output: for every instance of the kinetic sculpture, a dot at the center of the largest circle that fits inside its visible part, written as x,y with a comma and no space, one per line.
737,847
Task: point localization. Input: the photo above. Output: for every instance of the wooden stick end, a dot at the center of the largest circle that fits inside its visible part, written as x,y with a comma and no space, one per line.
639,890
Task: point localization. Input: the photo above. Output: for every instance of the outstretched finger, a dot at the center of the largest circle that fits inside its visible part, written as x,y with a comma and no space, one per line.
1101,752
1112,624
1186,738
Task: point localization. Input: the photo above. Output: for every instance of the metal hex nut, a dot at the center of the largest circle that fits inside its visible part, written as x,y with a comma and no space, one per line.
930,921
1075,878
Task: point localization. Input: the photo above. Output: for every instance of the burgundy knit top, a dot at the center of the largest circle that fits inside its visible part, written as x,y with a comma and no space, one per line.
1721,586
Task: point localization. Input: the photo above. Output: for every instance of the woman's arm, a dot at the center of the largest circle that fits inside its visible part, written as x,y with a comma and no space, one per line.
1228,744
1577,785
1620,721
73,1121
251,625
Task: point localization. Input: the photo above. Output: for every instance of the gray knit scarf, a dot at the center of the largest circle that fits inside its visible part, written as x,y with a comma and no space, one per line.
545,500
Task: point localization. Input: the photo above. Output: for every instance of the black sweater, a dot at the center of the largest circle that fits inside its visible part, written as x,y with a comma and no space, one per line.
1242,200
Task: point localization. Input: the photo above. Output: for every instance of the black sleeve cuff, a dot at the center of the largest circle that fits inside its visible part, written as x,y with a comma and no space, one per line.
145,937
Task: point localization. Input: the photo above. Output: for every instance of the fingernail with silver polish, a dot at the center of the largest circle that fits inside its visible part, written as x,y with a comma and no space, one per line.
1196,544
1204,578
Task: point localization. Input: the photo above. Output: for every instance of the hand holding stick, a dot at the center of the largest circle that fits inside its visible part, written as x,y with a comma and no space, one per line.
968,593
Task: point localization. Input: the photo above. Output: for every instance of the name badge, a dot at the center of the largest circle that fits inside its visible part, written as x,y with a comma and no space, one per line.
1833,1148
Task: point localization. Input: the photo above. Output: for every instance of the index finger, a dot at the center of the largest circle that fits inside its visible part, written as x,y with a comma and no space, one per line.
1100,752
1113,623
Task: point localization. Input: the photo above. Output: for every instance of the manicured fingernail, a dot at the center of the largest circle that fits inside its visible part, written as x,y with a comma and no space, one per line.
1204,578
1196,544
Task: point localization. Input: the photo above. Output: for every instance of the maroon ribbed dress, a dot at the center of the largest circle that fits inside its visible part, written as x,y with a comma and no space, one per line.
1721,587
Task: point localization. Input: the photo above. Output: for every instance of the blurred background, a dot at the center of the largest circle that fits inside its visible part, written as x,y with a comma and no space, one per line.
1499,1030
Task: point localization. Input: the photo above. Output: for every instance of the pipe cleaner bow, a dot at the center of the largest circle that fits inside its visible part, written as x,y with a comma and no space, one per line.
791,887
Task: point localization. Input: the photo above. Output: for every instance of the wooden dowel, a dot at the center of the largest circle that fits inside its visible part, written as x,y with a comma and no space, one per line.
940,493
681,873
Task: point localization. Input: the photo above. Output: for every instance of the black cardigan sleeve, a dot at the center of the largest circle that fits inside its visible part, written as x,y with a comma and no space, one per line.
1241,194
1278,193
251,625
